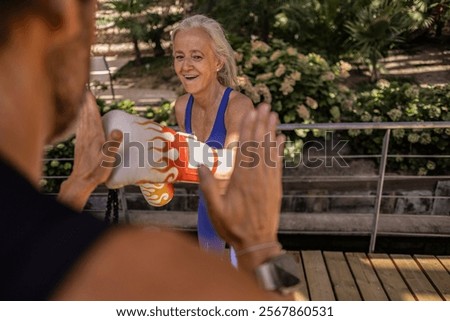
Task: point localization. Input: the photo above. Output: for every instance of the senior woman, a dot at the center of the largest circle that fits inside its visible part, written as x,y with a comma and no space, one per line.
211,109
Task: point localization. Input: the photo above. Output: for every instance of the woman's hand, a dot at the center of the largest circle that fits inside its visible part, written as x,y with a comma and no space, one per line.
247,216
91,155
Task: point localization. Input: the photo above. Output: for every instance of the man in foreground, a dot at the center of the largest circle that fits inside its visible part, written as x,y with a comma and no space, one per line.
50,250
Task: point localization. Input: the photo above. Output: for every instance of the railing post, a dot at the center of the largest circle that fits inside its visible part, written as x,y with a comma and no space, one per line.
110,78
379,195
123,203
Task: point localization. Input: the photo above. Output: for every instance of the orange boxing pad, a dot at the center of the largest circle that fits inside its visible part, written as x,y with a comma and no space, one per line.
157,195
152,155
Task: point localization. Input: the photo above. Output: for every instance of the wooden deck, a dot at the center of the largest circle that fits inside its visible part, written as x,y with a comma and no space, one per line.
338,276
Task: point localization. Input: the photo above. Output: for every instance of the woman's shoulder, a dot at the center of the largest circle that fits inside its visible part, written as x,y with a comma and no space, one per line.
180,109
182,101
237,97
239,104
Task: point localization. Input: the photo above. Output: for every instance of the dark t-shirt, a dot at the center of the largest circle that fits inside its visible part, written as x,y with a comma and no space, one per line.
40,239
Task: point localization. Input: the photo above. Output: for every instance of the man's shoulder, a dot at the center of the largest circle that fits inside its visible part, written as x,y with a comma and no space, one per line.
41,238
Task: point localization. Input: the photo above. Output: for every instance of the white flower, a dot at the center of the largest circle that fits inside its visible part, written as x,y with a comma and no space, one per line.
286,88
291,51
383,83
312,103
264,77
277,54
296,75
344,66
263,90
238,56
303,112
280,70
395,114
258,45
254,60
327,76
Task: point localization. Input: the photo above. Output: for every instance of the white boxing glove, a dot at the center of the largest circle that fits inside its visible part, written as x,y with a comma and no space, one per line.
151,154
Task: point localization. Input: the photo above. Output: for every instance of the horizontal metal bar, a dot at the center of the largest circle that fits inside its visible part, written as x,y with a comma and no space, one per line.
420,156
361,125
332,178
378,156
362,233
54,177
362,177
360,196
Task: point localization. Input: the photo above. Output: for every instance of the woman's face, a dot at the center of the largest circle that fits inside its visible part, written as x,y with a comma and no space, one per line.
195,61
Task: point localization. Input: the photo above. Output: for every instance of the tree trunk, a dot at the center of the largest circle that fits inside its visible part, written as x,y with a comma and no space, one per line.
158,50
137,52
375,74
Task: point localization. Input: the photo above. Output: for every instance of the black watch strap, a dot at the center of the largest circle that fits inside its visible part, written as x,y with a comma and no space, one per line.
280,273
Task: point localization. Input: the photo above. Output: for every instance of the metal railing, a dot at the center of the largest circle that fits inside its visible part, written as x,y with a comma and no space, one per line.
384,152
383,156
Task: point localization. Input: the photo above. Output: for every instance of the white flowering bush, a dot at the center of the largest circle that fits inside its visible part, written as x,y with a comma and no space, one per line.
404,102
301,88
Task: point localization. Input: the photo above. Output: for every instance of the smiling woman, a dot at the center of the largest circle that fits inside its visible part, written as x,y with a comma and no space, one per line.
211,109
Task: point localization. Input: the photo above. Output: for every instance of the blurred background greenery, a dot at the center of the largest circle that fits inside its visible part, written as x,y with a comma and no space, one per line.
315,61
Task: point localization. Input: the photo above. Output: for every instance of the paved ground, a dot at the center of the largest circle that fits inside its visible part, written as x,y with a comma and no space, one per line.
141,96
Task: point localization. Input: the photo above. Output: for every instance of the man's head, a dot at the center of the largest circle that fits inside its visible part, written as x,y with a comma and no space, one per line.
70,24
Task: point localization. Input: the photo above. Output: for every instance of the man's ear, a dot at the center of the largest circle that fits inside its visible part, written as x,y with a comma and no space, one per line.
66,12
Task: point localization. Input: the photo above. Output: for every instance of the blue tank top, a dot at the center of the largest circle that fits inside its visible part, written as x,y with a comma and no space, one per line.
218,133
207,236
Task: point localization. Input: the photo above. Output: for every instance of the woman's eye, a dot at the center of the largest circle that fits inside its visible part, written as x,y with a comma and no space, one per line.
179,58
197,58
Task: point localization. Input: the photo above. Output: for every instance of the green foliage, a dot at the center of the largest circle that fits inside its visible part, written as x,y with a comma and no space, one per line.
327,27
163,114
381,25
59,162
59,158
126,105
317,25
312,25
401,102
146,21
249,18
438,12
301,88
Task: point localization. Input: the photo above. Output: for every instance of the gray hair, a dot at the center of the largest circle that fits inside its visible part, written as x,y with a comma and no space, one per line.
227,76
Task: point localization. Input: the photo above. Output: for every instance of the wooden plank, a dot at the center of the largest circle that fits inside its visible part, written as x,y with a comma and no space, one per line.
341,277
414,277
437,273
366,278
319,284
303,294
393,283
445,260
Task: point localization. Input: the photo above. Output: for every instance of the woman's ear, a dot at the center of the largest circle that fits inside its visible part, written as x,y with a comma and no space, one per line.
219,64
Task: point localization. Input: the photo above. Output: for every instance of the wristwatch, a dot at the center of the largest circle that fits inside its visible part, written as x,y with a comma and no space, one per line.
280,273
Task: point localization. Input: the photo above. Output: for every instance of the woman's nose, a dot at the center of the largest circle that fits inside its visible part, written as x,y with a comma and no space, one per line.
187,63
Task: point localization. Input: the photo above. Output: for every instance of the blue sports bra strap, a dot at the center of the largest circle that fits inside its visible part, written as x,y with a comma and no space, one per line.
188,115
